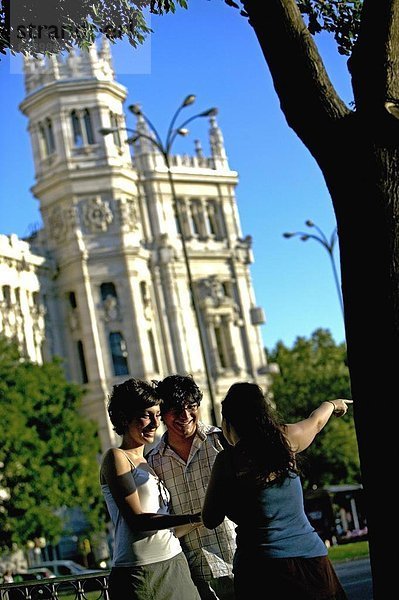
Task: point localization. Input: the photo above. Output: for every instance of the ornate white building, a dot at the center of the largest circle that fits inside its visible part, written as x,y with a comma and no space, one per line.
104,283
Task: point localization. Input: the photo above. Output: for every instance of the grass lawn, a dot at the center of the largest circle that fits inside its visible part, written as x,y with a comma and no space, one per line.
88,595
349,551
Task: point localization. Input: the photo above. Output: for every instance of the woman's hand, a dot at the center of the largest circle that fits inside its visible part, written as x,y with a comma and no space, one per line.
196,518
340,406
195,522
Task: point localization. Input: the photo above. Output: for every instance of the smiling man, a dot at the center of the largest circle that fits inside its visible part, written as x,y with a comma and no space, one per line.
183,459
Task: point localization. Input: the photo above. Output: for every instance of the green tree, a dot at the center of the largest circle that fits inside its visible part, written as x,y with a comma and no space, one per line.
48,452
313,371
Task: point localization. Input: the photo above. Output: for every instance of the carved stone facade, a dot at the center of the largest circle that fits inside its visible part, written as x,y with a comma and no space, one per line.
104,283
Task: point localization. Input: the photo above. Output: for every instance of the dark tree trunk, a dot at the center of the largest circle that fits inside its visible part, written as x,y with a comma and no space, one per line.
358,154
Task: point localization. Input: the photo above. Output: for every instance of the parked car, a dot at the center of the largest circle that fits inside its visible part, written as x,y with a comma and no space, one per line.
33,573
66,567
62,568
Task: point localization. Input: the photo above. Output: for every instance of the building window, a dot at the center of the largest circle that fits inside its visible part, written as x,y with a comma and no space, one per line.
77,130
227,289
7,295
223,344
109,299
46,138
145,293
179,217
82,128
151,341
50,136
108,289
82,362
88,128
195,217
114,121
118,350
72,300
36,299
212,218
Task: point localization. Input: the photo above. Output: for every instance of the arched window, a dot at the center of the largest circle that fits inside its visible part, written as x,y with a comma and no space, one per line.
109,299
212,218
82,128
7,295
46,138
50,136
108,289
88,127
77,129
178,211
151,341
114,120
72,299
118,351
82,362
223,344
195,216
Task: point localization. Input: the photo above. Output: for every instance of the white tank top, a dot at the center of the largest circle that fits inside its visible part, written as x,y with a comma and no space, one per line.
142,548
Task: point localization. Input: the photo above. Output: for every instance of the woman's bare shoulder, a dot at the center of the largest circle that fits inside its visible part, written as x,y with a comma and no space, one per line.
112,459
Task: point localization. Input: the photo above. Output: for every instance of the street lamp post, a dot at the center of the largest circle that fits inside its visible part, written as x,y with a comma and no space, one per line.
165,150
329,245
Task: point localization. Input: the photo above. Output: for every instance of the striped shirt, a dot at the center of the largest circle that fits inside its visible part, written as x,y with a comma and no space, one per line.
208,551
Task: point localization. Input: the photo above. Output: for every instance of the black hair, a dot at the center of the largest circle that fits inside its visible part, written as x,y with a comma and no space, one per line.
178,390
263,453
129,399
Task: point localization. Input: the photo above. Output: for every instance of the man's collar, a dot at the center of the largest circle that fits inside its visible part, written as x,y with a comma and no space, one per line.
202,431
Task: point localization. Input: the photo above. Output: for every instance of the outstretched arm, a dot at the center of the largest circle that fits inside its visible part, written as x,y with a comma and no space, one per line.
301,434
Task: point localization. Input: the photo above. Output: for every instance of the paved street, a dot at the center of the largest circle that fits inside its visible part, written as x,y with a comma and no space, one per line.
355,577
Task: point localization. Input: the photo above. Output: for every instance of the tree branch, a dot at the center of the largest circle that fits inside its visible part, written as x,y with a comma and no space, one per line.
374,64
307,96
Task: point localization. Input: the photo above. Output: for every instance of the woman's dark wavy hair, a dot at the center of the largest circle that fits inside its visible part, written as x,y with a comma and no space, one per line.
128,400
178,390
263,449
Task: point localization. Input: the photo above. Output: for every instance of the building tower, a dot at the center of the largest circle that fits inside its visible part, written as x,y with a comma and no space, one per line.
121,304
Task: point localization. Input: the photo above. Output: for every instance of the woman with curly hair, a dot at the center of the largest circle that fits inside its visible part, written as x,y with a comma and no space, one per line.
256,483
148,561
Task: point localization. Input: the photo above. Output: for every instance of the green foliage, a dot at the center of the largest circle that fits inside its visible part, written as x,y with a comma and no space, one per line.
64,23
312,371
342,19
338,17
36,27
48,454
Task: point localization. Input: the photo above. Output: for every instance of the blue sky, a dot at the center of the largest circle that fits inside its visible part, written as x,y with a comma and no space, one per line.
211,51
